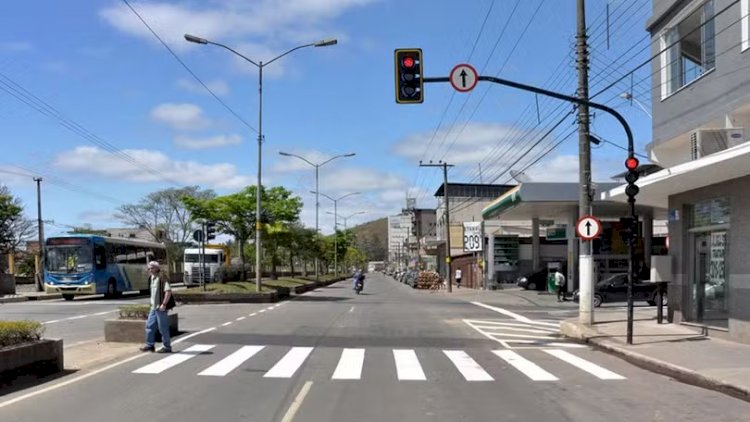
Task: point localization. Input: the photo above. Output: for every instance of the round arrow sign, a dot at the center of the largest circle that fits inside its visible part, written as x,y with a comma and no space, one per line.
464,77
588,227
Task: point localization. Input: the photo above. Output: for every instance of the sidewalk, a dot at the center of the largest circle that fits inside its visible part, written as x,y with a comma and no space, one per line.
509,295
26,292
670,349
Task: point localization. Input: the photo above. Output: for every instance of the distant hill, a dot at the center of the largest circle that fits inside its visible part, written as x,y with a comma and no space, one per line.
372,239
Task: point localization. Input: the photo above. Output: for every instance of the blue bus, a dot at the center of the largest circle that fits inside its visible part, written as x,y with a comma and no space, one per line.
89,264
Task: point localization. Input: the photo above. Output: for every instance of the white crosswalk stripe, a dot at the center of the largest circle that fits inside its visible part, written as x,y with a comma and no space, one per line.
407,362
585,365
467,366
229,363
173,360
408,366
350,365
527,367
289,364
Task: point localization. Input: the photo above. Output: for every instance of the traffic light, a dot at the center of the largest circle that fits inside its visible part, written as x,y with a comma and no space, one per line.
631,190
210,231
409,75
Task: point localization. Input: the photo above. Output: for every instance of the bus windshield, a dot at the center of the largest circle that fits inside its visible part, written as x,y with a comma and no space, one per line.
69,259
195,258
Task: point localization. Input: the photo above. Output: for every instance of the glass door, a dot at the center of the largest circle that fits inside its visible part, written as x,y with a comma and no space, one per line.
709,288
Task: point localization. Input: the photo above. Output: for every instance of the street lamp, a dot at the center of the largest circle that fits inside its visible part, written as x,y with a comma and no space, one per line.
335,229
346,219
629,96
260,65
317,201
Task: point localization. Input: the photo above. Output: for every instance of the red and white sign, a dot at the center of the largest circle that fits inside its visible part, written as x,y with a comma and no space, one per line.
464,77
588,227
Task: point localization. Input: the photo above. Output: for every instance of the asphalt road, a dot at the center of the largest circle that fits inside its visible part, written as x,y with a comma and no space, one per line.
392,354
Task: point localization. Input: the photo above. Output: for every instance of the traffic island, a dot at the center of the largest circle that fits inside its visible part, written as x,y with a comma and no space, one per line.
230,292
24,352
131,325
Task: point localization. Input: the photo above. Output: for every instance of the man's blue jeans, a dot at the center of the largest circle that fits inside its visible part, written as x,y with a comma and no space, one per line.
158,319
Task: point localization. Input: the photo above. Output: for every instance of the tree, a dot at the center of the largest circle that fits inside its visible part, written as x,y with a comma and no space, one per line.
235,215
87,229
165,216
11,212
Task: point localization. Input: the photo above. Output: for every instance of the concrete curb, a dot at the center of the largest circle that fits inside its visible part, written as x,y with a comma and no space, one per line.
14,299
682,374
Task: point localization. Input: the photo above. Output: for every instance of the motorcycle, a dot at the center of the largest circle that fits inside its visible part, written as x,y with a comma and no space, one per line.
358,286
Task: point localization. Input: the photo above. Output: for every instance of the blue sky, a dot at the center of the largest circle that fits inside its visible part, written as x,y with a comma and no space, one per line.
96,64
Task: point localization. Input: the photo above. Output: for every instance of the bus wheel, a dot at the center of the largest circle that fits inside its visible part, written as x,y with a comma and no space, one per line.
111,289
68,296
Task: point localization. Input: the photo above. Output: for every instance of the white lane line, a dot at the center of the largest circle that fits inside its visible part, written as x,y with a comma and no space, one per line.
181,339
504,324
351,309
229,363
527,367
240,318
467,366
350,365
51,322
289,364
514,315
163,364
294,407
585,365
262,310
226,323
542,343
524,330
407,365
501,335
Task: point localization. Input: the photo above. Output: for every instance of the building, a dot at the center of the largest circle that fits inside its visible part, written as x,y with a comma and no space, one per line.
701,119
399,237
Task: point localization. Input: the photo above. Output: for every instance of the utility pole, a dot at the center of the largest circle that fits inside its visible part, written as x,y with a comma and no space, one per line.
447,219
40,225
586,261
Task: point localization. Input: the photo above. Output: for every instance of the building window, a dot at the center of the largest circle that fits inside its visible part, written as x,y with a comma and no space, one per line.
692,49
745,11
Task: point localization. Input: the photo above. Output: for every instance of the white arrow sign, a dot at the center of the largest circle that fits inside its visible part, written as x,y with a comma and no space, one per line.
589,227
464,77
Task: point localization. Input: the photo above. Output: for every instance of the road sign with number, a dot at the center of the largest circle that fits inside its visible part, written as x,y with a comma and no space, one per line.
473,236
464,77
588,227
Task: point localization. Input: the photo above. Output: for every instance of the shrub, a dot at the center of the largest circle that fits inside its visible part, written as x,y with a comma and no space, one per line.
134,311
13,333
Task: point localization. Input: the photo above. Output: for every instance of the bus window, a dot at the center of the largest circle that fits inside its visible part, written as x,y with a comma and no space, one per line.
100,257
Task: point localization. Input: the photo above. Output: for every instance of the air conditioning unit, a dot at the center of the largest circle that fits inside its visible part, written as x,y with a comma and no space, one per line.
705,142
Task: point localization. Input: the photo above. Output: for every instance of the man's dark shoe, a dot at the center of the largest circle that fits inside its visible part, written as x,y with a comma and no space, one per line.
147,349
164,350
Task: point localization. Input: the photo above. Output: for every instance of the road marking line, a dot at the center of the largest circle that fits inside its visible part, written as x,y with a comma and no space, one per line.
163,364
513,315
269,308
52,321
294,407
350,365
505,324
240,318
289,364
181,339
407,365
253,314
585,365
527,367
226,323
524,330
229,363
467,366
261,311
351,309
521,336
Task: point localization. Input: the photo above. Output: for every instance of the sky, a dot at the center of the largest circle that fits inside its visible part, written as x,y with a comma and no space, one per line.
94,104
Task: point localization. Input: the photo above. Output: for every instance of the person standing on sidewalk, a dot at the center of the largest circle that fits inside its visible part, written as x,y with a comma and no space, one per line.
158,317
559,284
458,278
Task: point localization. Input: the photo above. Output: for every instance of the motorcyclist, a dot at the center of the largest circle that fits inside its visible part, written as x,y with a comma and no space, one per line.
359,276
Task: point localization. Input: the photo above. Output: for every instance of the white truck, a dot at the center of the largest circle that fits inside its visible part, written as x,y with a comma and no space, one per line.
214,259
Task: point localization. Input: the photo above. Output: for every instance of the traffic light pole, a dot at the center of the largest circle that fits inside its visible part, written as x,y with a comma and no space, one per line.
447,220
631,155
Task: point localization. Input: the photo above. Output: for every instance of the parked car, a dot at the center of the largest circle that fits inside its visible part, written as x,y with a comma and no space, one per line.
615,289
533,281
410,278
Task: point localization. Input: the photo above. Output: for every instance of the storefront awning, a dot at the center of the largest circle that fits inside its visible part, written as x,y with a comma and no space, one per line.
656,188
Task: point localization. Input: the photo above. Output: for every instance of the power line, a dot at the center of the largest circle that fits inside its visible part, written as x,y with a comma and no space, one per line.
190,71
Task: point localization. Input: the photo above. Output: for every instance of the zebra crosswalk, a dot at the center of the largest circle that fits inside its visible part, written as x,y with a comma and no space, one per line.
476,365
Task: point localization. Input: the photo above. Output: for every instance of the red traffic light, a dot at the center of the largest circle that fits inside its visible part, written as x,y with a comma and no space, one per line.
408,62
631,163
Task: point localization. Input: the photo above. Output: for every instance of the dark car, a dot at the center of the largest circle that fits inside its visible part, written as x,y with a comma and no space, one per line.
615,289
534,281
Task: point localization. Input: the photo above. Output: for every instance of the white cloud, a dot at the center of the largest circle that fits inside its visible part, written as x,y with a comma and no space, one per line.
470,146
218,86
564,168
360,180
181,116
217,141
78,160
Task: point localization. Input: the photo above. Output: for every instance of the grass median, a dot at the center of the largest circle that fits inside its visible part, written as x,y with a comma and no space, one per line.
13,333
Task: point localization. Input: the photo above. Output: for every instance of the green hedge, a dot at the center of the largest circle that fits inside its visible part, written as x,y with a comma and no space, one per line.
13,333
134,311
